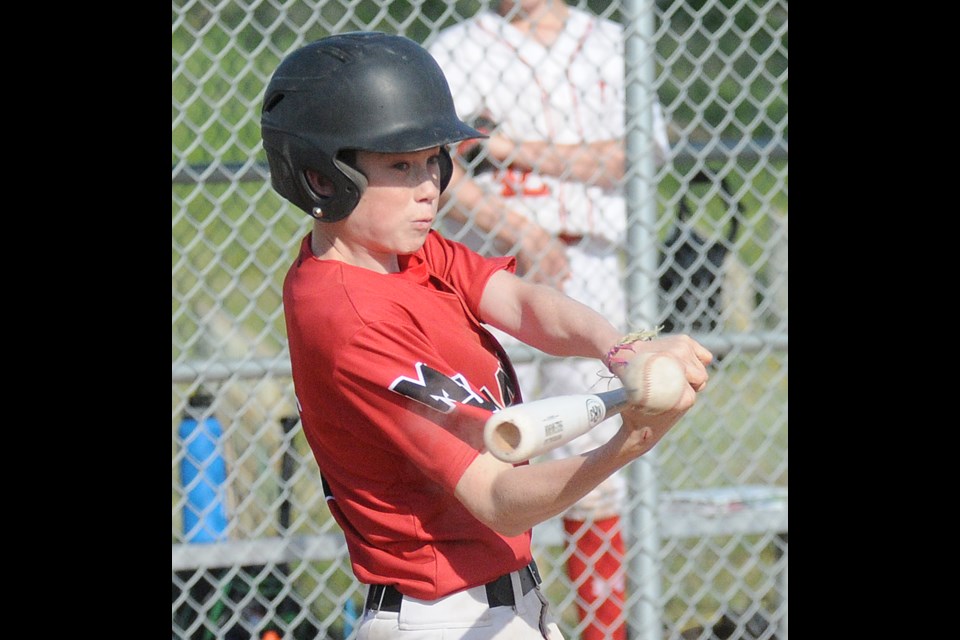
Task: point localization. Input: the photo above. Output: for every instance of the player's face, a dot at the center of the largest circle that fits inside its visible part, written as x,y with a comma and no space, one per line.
400,202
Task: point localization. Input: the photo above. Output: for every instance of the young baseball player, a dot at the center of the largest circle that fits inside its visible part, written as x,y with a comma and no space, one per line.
394,368
549,79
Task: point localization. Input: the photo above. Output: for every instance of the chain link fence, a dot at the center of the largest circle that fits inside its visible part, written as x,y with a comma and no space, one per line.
255,551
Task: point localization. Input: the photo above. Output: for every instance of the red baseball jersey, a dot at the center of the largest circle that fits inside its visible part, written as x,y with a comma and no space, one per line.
395,376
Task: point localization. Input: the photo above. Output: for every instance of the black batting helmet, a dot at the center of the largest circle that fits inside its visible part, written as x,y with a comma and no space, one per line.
365,91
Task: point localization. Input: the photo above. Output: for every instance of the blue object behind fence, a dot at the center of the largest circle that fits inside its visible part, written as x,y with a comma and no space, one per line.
203,473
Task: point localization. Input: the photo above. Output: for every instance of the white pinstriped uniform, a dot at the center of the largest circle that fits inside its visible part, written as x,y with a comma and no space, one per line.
569,93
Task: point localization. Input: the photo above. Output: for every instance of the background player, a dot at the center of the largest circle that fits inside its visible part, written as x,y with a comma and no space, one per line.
549,79
394,370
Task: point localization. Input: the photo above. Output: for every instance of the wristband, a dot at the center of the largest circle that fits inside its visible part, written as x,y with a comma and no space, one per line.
626,342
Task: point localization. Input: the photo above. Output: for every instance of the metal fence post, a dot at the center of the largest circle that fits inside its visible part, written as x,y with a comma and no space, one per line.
643,579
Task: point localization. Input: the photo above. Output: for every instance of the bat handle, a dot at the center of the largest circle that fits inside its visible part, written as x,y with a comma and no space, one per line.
615,401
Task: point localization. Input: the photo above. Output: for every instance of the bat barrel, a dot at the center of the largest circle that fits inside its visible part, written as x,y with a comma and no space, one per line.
526,430
505,437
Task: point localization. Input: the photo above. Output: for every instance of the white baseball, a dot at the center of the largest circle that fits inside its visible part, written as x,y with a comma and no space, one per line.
655,382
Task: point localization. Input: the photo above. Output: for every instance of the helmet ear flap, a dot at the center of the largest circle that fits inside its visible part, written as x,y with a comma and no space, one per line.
348,185
446,168
282,175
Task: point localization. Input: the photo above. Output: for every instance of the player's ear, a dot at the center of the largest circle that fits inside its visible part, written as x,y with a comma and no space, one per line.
320,184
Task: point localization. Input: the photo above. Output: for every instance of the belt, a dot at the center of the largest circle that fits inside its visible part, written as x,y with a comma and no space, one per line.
385,597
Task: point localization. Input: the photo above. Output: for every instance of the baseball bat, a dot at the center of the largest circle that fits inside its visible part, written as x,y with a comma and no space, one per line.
527,430
653,383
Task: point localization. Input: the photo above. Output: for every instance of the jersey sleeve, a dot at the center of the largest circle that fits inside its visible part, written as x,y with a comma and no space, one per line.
463,268
414,414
